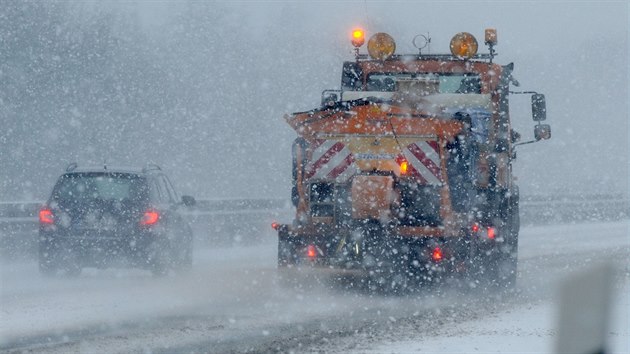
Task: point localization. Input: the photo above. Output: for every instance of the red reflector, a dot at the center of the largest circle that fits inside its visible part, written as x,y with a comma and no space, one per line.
46,216
475,227
149,217
492,232
437,254
311,252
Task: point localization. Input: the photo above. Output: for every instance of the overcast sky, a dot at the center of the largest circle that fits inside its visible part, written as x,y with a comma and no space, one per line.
574,52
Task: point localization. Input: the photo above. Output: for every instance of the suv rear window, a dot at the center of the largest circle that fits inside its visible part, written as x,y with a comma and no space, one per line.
98,185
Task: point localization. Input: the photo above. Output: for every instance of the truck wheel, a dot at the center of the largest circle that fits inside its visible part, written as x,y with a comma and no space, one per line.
505,263
286,250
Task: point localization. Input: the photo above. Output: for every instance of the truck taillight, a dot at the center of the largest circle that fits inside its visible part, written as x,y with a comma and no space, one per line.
46,216
437,255
492,233
311,252
150,217
275,225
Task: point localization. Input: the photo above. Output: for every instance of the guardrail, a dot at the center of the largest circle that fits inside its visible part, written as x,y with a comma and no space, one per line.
220,222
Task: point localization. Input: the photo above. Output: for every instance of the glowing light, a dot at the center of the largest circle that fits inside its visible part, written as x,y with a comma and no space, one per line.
437,255
149,217
311,252
492,233
403,164
475,227
404,167
46,216
275,225
358,37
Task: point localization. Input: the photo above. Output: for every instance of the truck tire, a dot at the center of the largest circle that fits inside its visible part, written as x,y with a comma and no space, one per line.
286,250
506,262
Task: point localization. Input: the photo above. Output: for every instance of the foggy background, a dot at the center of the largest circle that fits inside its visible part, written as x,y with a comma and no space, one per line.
201,87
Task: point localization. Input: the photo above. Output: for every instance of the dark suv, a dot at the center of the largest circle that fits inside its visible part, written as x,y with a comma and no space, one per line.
97,217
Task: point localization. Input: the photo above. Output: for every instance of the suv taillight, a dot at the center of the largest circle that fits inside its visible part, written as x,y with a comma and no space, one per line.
150,217
46,216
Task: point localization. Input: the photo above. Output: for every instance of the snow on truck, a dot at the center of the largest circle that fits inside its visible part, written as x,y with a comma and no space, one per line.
405,174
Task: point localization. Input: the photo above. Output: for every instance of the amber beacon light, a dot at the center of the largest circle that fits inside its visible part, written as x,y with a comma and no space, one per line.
464,45
358,37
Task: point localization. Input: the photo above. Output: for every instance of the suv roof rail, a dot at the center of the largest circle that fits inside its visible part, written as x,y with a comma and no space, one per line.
151,167
72,166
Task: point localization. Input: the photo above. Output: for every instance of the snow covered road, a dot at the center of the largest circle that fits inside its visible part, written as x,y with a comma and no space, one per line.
233,301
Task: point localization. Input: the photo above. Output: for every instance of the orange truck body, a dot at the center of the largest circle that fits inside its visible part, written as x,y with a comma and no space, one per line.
407,160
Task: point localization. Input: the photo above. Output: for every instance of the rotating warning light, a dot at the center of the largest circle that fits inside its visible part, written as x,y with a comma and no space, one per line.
381,46
491,36
358,37
464,45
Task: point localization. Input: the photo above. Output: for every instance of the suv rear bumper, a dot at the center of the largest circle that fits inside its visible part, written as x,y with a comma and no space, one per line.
98,249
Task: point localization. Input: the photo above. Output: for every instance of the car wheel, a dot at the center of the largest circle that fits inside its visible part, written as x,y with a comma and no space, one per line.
186,258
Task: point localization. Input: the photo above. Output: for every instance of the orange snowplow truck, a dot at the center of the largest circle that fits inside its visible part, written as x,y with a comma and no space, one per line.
405,174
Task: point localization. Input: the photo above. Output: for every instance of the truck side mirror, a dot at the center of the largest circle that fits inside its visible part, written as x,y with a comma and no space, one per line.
539,109
542,132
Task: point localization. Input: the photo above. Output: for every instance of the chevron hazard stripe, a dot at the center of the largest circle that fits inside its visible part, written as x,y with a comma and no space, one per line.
331,160
424,161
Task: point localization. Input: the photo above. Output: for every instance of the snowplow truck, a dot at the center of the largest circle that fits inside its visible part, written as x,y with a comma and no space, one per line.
404,175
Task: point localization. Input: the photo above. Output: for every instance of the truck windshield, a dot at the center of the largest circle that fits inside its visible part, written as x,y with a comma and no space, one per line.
447,83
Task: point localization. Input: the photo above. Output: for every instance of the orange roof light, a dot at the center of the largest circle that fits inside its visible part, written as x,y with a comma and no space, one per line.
491,36
464,45
381,46
358,37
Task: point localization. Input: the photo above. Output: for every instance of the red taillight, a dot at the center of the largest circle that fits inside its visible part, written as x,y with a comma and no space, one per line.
475,227
311,252
150,217
492,232
46,216
275,225
437,255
